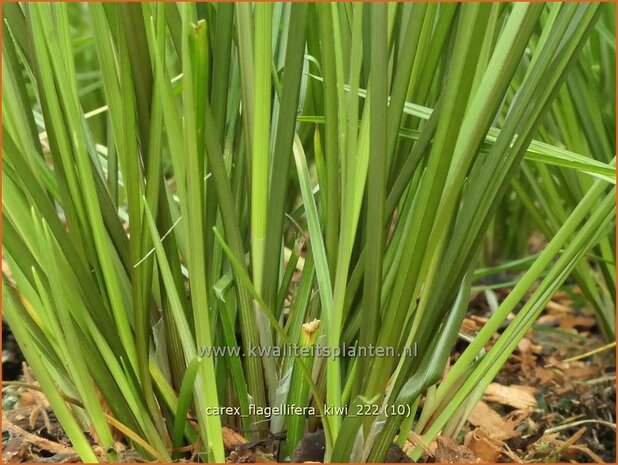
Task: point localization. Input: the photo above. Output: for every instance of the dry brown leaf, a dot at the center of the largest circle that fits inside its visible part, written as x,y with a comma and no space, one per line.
231,438
544,376
519,397
527,346
484,447
567,321
485,417
570,322
517,416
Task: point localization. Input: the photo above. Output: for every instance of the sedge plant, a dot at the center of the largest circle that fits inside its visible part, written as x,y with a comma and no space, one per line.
191,188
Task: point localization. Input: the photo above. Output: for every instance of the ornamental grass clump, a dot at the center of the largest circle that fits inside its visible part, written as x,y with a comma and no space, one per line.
188,187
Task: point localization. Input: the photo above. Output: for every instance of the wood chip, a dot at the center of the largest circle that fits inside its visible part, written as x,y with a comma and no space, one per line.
483,416
519,397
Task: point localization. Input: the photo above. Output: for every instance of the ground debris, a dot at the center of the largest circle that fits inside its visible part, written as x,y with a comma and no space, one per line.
542,395
519,397
241,450
484,417
485,447
448,451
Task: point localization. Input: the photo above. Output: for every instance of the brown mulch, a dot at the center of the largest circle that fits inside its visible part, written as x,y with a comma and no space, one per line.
538,409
